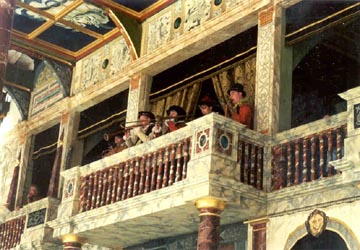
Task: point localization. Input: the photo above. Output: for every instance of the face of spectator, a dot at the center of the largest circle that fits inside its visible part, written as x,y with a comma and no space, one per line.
235,96
205,109
33,191
144,120
118,140
173,114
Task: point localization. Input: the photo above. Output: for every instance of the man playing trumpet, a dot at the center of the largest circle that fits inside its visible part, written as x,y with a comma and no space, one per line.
141,132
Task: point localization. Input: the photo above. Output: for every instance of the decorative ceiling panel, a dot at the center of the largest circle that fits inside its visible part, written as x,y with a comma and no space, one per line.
68,30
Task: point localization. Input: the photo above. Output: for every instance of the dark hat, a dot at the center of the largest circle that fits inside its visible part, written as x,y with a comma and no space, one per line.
206,100
148,114
237,87
179,110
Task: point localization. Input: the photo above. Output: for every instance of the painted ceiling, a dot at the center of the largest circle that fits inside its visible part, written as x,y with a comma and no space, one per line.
70,29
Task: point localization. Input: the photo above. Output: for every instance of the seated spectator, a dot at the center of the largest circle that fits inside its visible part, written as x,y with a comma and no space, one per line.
241,110
142,132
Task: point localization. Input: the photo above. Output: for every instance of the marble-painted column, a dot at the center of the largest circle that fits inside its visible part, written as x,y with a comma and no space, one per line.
6,16
257,228
72,146
138,96
209,227
267,90
352,141
72,242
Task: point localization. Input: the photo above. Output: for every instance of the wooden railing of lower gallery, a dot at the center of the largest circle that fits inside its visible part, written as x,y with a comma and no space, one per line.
307,158
136,176
251,160
11,231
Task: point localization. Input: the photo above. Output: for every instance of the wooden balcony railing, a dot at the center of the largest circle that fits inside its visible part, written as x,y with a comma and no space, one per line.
251,160
139,175
307,158
11,231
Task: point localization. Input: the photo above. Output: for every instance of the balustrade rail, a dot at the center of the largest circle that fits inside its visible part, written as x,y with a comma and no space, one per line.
251,160
307,159
11,231
152,171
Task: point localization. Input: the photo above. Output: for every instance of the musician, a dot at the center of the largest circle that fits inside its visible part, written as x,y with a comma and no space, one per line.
143,132
241,110
176,119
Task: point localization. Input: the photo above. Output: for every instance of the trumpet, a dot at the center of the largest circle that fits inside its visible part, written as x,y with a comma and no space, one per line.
108,136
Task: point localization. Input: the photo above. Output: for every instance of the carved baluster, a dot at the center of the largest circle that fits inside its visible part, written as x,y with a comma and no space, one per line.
172,165
313,157
240,161
131,179
94,191
246,163
100,186
115,183
166,167
110,185
105,186
321,158
120,182
148,173
90,192
186,157
297,162
252,165
126,180
7,234
142,174
178,161
329,152
136,176
84,182
12,233
259,167
305,160
288,167
338,144
160,169
153,171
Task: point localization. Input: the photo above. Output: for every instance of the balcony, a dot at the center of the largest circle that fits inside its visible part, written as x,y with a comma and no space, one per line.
149,190
26,227
152,187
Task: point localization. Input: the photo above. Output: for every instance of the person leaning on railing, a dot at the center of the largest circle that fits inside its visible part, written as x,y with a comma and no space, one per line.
241,110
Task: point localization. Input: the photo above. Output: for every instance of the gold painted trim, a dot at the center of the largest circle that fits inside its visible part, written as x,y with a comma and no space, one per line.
82,29
125,34
210,202
45,147
41,29
35,10
322,20
210,214
45,55
257,221
144,13
102,121
87,49
72,238
15,85
68,9
204,71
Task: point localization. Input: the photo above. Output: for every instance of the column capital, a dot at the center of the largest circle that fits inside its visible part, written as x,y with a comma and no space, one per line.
72,238
210,202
